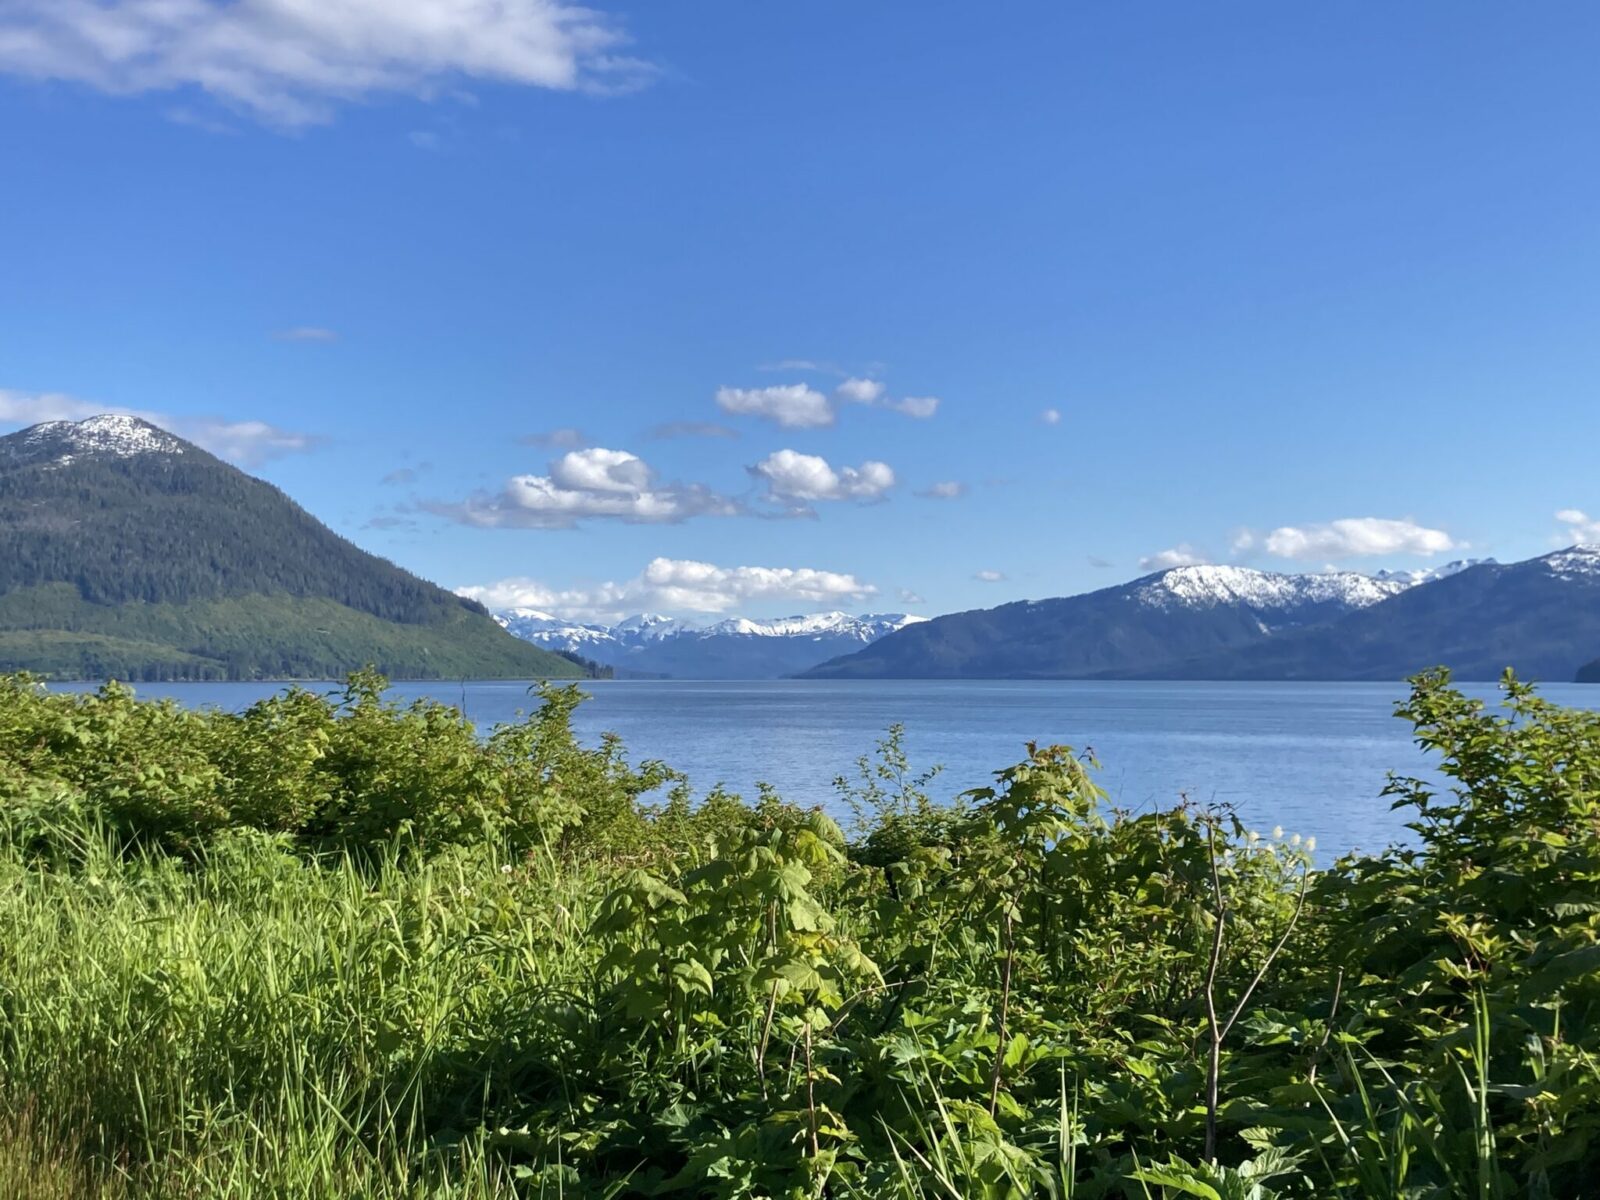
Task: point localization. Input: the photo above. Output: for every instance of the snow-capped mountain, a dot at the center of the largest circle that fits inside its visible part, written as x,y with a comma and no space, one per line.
1429,574
736,648
107,436
1266,592
1221,622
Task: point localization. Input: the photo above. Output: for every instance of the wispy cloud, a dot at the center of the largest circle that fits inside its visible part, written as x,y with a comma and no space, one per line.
1050,416
248,443
401,476
555,439
989,576
676,585
799,364
1580,526
1181,555
949,489
290,63
875,394
306,333
689,429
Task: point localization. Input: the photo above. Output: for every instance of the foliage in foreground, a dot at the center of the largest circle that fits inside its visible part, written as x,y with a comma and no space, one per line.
331,947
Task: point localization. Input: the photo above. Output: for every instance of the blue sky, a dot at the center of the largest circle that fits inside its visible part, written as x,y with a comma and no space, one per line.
1286,285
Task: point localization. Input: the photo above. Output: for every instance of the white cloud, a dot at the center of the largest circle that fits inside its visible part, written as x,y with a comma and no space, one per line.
989,576
594,484
676,585
248,443
1181,555
860,391
306,333
289,62
1051,416
794,405
791,475
907,596
1580,527
600,470
1356,537
949,489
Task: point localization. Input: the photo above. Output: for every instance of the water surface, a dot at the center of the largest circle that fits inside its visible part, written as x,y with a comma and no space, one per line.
1310,757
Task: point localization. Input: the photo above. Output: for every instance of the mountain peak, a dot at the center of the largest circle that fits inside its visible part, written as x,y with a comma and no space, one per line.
109,435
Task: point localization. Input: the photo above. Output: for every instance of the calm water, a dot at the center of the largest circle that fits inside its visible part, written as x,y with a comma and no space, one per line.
1310,757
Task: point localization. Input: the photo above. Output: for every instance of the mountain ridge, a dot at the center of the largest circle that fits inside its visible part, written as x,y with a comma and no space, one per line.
1224,622
732,648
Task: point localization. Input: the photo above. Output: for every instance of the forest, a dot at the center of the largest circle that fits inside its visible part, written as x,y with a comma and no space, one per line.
335,946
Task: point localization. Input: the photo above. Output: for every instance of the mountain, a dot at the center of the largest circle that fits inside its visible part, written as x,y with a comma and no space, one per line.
1429,574
1541,616
126,551
1173,615
1589,672
738,648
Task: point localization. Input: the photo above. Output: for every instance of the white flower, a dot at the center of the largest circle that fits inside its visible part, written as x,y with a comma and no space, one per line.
1295,840
1277,833
1311,844
506,870
1253,836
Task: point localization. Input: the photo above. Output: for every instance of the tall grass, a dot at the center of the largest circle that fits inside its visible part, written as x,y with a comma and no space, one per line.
265,1025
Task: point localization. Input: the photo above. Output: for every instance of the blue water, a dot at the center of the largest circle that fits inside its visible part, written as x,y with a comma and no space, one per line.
1310,757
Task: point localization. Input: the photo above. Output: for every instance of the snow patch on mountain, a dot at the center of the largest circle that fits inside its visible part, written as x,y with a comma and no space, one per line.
1429,574
866,628
106,436
653,643
1262,591
649,627
1580,561
552,632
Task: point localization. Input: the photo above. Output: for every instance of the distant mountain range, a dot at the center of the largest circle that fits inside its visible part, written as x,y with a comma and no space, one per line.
127,552
654,646
1214,622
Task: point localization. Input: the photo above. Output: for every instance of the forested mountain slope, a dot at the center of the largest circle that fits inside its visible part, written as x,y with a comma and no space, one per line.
125,550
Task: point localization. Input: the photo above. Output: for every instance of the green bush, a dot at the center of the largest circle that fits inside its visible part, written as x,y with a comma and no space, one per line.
334,946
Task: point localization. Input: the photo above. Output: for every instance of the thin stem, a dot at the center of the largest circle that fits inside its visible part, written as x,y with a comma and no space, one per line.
1005,1009
1214,1066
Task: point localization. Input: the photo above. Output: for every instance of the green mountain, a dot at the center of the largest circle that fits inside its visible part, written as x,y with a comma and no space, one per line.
127,552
